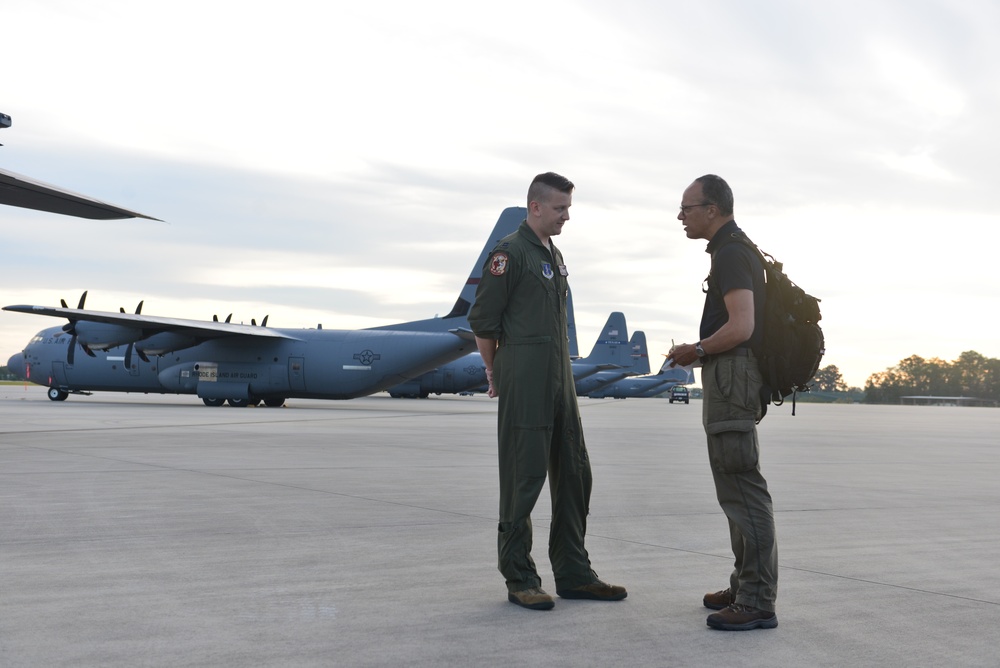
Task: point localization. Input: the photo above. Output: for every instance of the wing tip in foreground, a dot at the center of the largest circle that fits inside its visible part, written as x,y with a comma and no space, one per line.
21,191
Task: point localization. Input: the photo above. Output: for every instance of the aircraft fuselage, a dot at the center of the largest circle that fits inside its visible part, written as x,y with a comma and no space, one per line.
311,363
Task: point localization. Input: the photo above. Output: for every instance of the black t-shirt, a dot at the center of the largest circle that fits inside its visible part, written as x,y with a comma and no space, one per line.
735,266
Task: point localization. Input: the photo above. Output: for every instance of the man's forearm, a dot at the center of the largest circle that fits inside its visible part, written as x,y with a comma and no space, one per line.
488,350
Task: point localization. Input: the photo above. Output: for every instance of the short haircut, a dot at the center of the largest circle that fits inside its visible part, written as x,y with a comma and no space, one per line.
717,192
537,191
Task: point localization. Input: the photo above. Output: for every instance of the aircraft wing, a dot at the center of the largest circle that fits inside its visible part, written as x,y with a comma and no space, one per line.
18,190
201,329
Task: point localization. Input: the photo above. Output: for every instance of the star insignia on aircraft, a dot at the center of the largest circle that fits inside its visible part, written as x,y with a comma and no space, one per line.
366,357
472,369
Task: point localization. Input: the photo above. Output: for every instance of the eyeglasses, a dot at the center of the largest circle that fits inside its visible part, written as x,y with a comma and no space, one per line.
685,207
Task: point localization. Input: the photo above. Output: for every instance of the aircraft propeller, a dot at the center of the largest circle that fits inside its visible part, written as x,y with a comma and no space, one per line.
128,351
70,328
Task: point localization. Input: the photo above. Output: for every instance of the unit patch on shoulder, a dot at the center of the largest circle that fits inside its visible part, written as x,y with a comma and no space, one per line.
498,264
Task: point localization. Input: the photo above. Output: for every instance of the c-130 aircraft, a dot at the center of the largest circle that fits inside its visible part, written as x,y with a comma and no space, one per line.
242,364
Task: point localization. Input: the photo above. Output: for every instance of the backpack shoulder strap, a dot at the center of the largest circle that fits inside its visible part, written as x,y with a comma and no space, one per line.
765,258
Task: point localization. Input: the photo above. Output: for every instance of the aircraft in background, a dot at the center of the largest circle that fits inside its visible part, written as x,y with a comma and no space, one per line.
610,351
637,364
19,190
468,374
646,386
242,364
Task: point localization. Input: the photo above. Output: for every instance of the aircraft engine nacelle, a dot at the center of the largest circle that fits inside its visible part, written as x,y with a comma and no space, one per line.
102,336
165,342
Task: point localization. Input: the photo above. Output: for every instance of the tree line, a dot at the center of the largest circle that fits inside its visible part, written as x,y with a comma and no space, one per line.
971,375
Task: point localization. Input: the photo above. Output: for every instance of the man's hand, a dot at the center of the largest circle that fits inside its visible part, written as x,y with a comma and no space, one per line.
683,355
491,392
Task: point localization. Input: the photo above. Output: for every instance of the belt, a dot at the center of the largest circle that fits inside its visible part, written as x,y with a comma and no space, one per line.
738,351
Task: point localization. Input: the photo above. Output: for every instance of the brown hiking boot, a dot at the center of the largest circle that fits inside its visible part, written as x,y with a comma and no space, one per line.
742,618
595,591
533,598
719,600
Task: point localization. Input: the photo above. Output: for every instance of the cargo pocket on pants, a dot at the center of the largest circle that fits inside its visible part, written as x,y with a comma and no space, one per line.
732,446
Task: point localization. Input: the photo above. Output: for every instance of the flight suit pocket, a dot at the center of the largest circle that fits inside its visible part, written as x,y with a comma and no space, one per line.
526,379
732,446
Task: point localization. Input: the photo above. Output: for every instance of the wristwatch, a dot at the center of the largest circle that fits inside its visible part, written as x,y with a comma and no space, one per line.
699,350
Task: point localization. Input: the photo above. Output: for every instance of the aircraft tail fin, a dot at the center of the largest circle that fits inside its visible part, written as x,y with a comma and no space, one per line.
611,346
457,318
639,353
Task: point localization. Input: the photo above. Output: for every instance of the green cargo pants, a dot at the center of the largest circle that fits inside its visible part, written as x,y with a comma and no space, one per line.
731,384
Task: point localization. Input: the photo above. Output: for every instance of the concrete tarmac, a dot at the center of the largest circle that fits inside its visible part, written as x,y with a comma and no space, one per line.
155,531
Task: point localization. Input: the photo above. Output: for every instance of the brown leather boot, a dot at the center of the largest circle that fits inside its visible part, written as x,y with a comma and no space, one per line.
742,618
719,600
595,591
533,598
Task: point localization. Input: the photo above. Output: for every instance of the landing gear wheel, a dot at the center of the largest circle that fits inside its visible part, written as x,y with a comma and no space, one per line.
238,403
274,402
213,402
55,394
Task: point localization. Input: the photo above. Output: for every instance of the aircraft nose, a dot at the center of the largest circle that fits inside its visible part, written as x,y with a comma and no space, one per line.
16,365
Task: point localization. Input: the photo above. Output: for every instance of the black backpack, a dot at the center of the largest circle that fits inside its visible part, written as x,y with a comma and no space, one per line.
793,343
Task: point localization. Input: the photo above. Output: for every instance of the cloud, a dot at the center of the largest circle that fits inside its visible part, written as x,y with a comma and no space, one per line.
344,163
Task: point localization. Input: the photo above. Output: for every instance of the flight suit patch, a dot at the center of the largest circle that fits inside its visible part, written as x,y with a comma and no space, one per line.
547,270
563,271
498,265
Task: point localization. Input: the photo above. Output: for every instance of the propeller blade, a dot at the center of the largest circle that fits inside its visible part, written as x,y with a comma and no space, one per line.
263,323
131,346
70,328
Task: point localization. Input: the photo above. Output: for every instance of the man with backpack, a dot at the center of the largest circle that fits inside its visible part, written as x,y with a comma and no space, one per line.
731,329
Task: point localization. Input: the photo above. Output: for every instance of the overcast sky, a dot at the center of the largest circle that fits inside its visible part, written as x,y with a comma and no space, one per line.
343,162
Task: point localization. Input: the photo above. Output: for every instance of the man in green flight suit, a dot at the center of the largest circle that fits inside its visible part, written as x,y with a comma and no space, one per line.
519,319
